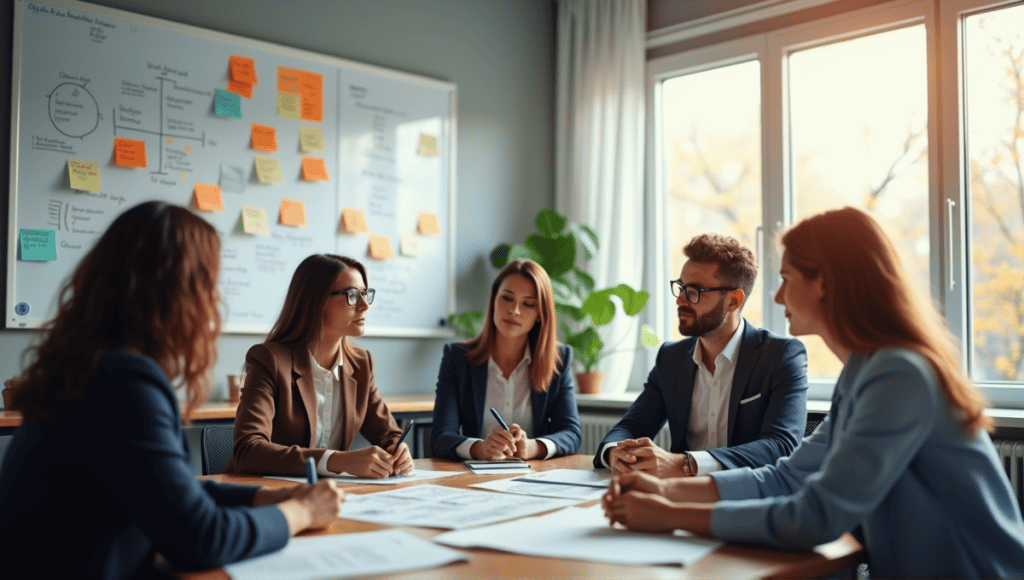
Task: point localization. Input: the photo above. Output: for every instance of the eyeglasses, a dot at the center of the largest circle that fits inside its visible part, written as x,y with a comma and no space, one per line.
693,292
353,295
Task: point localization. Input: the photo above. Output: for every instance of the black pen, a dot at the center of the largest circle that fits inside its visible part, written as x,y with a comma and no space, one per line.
402,436
501,421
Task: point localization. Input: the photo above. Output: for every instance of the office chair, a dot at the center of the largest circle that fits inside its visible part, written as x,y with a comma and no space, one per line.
218,441
194,438
812,424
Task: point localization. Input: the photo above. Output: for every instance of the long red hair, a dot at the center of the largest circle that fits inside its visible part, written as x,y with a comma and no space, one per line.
870,303
149,284
542,338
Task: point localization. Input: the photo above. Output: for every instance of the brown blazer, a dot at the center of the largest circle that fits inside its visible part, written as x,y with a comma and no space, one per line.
276,416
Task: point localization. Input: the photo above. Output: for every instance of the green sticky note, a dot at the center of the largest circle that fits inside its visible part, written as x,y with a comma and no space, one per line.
227,104
38,245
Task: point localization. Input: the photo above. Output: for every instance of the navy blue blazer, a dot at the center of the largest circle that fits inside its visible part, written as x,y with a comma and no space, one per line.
459,405
767,405
109,483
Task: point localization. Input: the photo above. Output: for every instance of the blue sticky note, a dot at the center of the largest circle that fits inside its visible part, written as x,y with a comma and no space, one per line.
38,245
227,104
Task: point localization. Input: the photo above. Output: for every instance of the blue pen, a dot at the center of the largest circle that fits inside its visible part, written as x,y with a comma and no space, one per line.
501,421
310,471
402,436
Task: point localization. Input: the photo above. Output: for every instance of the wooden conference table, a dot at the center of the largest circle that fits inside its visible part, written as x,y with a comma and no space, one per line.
734,561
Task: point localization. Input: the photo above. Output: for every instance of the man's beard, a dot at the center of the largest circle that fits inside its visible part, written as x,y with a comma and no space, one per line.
705,323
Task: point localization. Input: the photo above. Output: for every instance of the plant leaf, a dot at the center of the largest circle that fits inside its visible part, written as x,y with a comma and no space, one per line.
569,311
648,338
557,255
499,257
585,280
468,324
586,347
600,307
521,251
550,223
587,239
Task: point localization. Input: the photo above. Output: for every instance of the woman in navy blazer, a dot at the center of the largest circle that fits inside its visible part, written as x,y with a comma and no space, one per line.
902,460
97,479
515,367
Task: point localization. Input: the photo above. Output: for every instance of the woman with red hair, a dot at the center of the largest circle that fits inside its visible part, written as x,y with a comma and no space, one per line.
99,469
903,459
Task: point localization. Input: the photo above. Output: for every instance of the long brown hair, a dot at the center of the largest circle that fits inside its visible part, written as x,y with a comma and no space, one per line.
869,302
542,337
301,316
149,284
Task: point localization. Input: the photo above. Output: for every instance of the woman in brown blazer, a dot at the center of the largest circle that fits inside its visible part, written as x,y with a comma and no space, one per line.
308,390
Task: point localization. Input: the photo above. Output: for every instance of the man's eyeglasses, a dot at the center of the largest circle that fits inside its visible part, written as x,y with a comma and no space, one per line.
353,295
693,292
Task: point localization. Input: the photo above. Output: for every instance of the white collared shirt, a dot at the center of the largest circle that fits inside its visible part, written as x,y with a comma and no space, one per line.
327,384
709,407
512,399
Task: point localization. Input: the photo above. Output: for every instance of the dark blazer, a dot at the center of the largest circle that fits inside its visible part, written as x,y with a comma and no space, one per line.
767,405
98,491
276,417
459,404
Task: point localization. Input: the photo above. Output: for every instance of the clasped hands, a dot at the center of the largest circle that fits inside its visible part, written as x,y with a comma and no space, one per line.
643,455
502,444
372,462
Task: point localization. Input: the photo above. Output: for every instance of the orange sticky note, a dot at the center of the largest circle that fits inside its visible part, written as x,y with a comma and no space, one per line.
289,80
353,220
293,213
240,89
243,70
380,247
264,138
429,225
208,197
129,152
314,169
312,96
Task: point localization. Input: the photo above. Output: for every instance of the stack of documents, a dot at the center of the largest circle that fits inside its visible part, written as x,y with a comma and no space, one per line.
497,466
575,484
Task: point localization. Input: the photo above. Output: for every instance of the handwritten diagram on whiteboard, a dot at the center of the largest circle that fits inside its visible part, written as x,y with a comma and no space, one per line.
285,152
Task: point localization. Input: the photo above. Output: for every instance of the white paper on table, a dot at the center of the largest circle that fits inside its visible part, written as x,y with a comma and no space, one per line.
418,475
583,534
435,506
597,478
522,486
500,470
345,555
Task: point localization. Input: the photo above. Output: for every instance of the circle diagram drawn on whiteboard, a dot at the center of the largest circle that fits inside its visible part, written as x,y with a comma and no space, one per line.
73,110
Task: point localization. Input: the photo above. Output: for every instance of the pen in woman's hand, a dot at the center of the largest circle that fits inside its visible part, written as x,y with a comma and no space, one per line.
310,471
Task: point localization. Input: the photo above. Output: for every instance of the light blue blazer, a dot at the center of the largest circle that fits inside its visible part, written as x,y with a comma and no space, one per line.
890,464
459,405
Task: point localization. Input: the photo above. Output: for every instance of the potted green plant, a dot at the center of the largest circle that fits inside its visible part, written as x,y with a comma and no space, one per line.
556,245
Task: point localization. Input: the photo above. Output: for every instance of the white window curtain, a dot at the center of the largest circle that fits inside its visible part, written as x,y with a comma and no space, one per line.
599,150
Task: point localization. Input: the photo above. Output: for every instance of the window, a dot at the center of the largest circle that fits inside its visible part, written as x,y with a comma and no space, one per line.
994,96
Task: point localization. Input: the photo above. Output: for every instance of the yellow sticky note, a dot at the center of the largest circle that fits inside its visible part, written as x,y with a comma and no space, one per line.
428,145
129,152
380,248
409,244
264,138
84,175
208,197
243,69
311,139
289,105
428,224
268,169
293,213
353,220
314,169
254,220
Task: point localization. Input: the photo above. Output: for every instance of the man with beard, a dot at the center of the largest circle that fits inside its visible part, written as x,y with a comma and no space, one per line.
734,395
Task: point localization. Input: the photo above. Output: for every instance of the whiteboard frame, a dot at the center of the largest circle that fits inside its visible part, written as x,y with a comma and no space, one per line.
10,322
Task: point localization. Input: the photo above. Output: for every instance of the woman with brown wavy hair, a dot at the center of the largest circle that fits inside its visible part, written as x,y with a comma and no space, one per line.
514,366
308,390
101,449
903,459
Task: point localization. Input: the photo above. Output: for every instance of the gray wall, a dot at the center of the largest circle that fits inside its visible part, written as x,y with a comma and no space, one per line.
501,56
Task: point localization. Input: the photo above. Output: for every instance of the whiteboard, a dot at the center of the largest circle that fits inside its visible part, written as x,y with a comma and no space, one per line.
84,76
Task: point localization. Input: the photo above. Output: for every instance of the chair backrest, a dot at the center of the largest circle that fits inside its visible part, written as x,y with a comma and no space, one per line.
218,441
812,424
194,438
